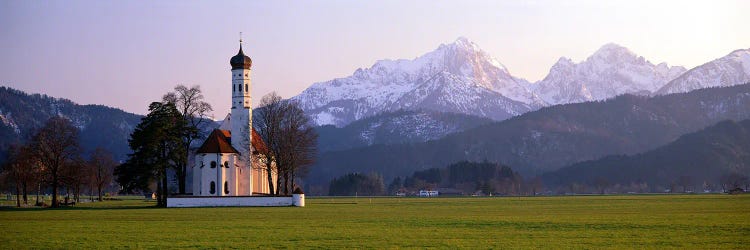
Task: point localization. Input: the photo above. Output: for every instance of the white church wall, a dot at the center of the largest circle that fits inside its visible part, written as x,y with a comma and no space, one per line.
197,171
218,175
234,201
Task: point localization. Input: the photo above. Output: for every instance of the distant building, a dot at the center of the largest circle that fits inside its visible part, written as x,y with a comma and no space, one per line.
428,193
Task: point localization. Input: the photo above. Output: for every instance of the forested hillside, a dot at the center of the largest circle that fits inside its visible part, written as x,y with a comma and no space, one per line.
553,137
704,158
21,114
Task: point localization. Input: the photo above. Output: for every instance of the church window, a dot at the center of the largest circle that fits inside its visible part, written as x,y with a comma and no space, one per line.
226,164
245,74
212,188
203,164
246,88
234,88
213,164
226,187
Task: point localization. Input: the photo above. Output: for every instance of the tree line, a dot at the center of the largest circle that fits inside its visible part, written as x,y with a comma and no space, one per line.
468,178
461,178
53,160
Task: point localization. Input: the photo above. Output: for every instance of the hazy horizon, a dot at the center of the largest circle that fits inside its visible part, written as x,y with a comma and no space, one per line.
138,51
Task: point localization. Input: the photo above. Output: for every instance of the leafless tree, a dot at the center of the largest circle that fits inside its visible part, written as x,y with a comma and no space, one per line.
101,166
75,176
601,183
298,144
20,169
195,111
55,145
267,122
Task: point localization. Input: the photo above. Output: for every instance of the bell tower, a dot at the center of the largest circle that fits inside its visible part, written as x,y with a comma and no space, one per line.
242,111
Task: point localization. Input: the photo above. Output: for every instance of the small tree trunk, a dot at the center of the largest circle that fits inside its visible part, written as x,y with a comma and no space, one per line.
55,203
269,170
25,194
99,191
293,180
38,190
278,182
181,178
164,189
158,193
286,183
18,194
77,193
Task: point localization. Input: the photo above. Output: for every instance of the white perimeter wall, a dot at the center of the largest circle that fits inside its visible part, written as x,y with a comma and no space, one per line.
232,201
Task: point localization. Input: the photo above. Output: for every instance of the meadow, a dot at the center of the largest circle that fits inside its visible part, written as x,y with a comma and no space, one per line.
637,221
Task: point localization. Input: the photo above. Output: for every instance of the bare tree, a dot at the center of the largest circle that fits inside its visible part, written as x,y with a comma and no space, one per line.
298,143
267,121
101,167
189,101
601,183
55,145
21,171
75,175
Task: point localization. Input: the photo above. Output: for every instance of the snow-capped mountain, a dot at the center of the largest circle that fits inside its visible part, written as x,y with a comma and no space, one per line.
729,70
457,77
612,70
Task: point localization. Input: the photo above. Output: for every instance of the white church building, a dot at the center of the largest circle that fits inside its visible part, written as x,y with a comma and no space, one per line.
228,169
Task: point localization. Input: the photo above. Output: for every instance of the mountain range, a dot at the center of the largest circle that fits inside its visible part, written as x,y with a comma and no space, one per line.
552,137
22,114
457,77
611,71
729,70
462,78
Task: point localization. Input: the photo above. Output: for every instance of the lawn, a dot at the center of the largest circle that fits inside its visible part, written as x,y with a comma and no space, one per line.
638,221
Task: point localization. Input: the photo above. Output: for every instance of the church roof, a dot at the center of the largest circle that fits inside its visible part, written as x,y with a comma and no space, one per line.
240,61
258,144
219,141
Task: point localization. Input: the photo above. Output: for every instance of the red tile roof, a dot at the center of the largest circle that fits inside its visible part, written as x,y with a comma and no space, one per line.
218,142
258,144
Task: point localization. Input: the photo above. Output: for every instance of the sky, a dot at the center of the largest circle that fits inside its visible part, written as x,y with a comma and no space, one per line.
126,54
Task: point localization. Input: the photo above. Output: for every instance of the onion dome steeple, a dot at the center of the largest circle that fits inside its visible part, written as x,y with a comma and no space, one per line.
240,61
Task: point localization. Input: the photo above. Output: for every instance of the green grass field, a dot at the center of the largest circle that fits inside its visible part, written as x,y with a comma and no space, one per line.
642,221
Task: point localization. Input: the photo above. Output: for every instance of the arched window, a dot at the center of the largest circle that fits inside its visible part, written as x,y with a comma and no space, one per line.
234,88
212,189
213,164
226,187
246,88
226,164
203,164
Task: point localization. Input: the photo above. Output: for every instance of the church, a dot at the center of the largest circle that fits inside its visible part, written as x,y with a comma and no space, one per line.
229,162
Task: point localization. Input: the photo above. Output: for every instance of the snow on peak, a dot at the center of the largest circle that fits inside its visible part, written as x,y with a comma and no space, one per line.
465,43
372,90
613,52
564,62
612,70
729,70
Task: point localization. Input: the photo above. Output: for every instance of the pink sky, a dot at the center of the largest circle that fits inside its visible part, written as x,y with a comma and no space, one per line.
127,54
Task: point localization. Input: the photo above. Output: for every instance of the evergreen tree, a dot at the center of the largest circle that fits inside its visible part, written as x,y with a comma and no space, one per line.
157,146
